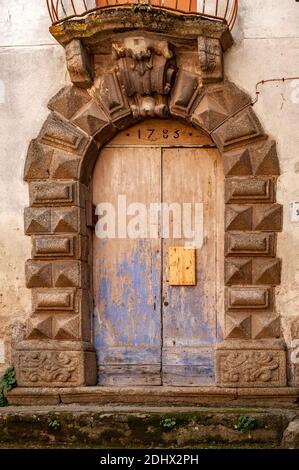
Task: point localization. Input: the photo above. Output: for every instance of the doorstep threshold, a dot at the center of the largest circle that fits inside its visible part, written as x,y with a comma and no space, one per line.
156,396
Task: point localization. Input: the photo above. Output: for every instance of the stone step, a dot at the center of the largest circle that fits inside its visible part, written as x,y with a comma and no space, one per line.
90,426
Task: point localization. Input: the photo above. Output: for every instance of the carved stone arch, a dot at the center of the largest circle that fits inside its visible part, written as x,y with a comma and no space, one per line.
58,349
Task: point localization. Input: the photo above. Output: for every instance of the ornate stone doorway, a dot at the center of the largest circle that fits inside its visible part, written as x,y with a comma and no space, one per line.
151,329
119,79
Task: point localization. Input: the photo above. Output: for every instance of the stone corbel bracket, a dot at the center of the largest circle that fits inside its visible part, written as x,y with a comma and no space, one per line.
79,64
210,56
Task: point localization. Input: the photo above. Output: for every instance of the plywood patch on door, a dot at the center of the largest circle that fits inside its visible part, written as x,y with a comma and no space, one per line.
181,266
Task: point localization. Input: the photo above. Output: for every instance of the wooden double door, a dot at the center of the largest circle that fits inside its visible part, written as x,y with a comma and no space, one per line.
148,329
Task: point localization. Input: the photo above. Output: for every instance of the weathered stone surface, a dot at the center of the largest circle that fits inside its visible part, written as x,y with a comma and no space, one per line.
68,300
56,220
38,274
68,220
217,104
61,134
210,56
295,328
242,366
38,161
44,193
57,274
79,64
67,328
266,271
267,217
53,300
254,190
59,246
257,160
94,121
186,90
249,298
177,27
238,271
265,326
257,271
71,274
238,326
56,368
265,160
291,435
39,327
68,101
240,129
258,217
144,65
250,244
238,217
65,166
108,94
37,220
102,427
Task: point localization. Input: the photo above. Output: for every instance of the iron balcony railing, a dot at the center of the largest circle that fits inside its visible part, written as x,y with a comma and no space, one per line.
221,10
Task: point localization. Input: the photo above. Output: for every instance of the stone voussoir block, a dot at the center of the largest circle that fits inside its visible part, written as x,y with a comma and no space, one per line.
255,159
217,103
38,161
263,217
238,130
266,326
61,134
93,120
59,247
256,271
59,327
250,244
249,190
185,94
55,220
38,274
108,94
255,299
238,326
68,101
57,193
64,273
37,220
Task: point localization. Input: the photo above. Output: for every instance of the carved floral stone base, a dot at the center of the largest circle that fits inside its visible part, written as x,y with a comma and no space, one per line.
251,364
43,366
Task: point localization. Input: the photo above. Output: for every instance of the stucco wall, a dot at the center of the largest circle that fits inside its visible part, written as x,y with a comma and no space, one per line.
32,69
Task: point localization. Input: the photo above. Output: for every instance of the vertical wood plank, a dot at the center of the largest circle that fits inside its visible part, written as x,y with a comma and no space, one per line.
127,274
190,313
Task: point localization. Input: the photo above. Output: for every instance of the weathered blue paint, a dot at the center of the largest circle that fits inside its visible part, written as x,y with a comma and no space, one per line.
128,313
